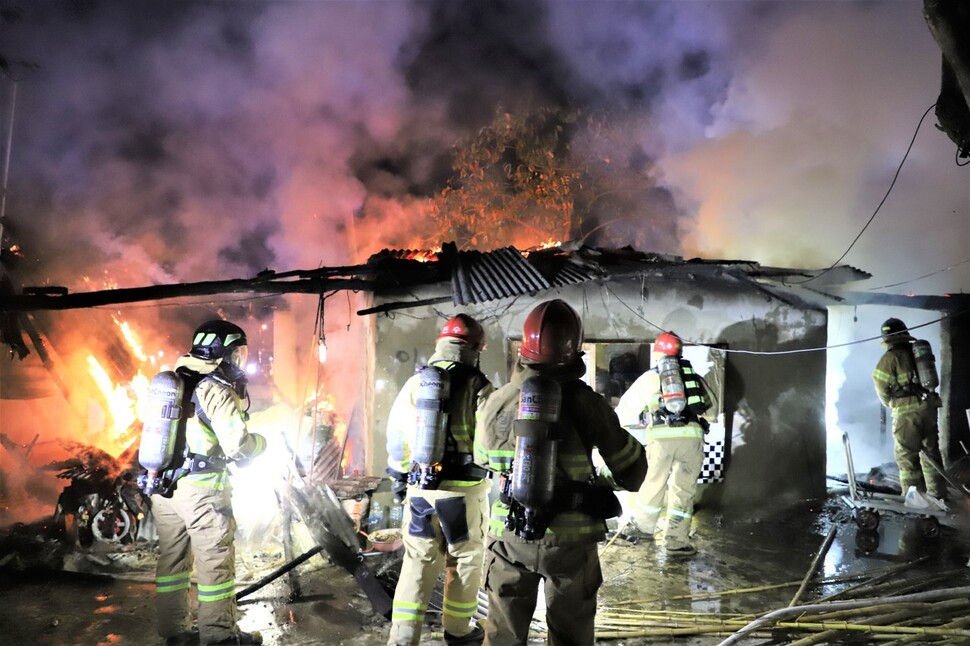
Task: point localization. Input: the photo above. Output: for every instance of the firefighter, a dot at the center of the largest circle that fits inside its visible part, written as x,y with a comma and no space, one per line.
445,494
196,523
670,399
553,543
897,383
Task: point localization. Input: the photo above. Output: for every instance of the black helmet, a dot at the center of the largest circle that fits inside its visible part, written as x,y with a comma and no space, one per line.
214,339
894,327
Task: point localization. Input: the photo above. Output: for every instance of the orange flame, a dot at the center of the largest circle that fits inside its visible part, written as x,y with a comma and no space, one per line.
421,255
121,403
548,244
133,343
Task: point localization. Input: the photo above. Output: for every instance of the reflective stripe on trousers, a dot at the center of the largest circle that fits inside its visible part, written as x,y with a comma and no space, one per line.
195,525
443,529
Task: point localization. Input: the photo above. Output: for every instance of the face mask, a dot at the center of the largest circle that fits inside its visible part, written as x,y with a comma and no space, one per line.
238,357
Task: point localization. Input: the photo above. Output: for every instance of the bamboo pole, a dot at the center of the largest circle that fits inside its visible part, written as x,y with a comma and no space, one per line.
826,544
737,591
907,612
871,628
898,569
933,595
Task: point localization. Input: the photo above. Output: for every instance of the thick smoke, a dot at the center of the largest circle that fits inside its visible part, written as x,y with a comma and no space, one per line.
204,140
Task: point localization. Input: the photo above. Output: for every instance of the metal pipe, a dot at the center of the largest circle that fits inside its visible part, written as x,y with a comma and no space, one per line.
269,578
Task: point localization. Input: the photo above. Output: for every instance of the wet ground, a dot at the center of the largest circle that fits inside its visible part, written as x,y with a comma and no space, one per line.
748,564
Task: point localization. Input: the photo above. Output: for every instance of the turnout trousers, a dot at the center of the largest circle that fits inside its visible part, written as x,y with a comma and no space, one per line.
570,575
442,529
915,431
674,466
195,525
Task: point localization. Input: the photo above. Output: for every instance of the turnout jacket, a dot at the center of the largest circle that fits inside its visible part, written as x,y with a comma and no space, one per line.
468,387
217,429
896,379
586,421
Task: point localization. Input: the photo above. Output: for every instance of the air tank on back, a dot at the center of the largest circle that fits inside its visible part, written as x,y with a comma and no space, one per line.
926,364
431,401
672,389
160,418
534,464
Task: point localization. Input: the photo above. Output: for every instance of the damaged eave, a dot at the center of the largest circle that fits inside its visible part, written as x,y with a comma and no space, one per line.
944,303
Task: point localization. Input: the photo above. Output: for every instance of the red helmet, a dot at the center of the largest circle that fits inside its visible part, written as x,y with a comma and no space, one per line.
667,344
464,328
552,333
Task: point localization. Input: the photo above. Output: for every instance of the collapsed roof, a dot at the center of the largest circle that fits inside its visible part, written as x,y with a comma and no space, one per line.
471,277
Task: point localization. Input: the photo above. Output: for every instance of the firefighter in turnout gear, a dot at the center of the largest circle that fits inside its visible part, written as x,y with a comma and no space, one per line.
196,524
555,546
670,399
429,444
913,405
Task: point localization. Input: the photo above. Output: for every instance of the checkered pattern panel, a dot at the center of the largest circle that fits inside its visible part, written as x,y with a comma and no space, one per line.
712,470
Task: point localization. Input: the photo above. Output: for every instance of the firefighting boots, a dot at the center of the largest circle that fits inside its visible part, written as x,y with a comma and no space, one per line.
474,638
681,550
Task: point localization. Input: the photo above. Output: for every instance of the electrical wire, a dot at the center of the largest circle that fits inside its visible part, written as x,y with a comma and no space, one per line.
956,159
881,202
779,352
913,280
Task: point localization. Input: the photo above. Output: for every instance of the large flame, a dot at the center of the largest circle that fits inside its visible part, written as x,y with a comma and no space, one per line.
122,402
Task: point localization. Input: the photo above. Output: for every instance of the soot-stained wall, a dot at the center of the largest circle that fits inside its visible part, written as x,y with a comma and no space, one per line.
773,395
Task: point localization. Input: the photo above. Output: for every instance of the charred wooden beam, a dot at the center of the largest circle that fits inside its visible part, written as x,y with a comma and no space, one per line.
46,301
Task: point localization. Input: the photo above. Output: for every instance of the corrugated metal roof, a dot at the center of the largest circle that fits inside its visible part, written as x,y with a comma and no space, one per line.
477,277
482,276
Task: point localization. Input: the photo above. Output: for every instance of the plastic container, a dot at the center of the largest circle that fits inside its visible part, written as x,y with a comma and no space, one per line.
396,515
376,519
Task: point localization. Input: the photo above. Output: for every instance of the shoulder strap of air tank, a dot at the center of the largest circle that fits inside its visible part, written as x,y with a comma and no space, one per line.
569,410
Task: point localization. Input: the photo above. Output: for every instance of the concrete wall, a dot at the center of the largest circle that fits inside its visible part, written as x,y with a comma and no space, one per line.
773,400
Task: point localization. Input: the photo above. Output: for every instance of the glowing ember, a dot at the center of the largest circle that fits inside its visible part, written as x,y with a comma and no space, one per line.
427,255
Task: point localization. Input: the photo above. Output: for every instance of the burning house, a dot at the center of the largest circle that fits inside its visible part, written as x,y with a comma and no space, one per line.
761,334
769,339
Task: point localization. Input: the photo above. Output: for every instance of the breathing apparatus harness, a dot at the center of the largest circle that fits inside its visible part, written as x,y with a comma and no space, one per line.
163,450
676,393
923,377
435,454
533,493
